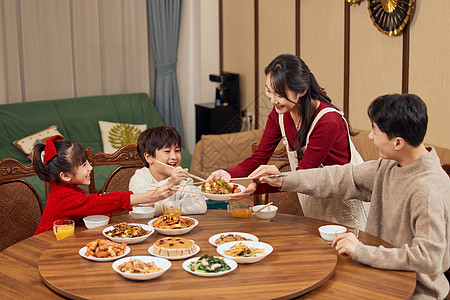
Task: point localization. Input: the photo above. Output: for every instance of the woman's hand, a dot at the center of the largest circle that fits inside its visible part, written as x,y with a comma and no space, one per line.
153,195
178,174
220,174
265,170
245,193
346,244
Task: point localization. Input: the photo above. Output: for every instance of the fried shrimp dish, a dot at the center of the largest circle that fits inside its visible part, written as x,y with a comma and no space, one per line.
172,221
219,186
101,248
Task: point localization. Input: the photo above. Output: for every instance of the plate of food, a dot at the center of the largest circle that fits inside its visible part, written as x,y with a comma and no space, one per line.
209,266
104,250
130,233
219,190
172,224
173,248
141,267
225,237
245,252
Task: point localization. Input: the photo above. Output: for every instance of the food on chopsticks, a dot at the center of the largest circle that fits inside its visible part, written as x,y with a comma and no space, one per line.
135,266
241,250
219,186
225,238
101,248
125,230
173,246
209,264
172,221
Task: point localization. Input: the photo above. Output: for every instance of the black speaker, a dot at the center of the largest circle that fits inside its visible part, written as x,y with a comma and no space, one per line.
229,82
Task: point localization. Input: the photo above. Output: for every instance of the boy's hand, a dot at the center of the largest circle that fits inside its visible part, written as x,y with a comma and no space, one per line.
245,193
265,170
220,174
178,174
346,244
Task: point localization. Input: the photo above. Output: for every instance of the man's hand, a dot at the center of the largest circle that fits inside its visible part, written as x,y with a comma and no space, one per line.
265,170
346,244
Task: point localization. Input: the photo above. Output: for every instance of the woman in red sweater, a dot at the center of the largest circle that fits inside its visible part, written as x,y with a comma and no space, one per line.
64,164
314,131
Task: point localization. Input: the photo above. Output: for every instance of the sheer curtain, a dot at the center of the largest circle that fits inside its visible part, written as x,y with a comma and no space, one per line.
164,23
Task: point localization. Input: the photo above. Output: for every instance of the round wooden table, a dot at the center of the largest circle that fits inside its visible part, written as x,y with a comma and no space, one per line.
277,276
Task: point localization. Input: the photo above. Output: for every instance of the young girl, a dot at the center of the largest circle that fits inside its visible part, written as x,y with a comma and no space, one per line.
64,164
162,144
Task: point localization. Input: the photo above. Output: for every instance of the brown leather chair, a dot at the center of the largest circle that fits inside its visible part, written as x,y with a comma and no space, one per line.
21,207
287,202
128,161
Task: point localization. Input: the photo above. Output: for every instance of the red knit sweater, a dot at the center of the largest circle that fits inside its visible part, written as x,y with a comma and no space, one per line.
328,144
68,201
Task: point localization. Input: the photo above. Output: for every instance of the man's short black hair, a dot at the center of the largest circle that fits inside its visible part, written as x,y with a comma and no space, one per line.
400,115
156,138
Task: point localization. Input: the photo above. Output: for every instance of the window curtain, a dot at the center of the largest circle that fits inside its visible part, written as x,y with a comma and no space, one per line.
164,23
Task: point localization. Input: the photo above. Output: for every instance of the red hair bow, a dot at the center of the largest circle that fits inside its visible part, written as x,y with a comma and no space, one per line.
50,150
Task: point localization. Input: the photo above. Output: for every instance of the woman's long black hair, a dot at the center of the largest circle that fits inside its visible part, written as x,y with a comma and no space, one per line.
290,72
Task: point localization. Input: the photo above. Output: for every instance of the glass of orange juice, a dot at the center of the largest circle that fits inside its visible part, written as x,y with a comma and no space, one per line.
239,210
63,228
172,207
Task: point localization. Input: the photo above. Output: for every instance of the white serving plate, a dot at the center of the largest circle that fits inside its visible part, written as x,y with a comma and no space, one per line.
83,250
233,265
134,240
159,262
197,250
220,197
245,260
213,238
173,231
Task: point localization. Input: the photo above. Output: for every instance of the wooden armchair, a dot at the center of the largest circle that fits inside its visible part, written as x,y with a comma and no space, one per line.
20,207
128,161
287,202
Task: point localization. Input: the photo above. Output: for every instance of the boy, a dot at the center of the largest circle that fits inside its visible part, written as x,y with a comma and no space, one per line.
408,190
163,144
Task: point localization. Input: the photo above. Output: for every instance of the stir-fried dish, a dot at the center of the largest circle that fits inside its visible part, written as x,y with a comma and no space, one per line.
241,250
219,186
125,230
172,221
209,264
135,266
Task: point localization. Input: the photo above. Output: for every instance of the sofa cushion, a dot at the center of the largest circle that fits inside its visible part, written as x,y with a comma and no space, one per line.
26,144
115,135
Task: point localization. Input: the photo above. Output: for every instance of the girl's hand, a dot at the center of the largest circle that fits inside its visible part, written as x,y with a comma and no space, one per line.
178,174
265,170
346,244
220,173
245,193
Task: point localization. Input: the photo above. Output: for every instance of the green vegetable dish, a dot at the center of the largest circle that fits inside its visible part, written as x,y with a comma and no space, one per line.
209,264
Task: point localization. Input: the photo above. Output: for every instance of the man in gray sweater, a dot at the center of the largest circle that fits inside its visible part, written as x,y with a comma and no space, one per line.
408,190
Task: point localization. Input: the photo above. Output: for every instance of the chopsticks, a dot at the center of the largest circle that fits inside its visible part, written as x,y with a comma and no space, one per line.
190,175
242,178
257,211
175,189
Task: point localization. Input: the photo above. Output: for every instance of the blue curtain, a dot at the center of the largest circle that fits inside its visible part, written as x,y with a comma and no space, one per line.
164,22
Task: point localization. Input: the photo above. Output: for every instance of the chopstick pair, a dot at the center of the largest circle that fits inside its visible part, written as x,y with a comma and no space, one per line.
190,175
174,189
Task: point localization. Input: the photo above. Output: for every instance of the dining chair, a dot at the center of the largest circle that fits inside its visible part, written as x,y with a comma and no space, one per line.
287,202
21,206
127,160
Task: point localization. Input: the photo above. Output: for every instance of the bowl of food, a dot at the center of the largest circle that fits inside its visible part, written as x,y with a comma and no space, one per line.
219,190
329,232
130,233
95,221
245,252
266,213
209,266
225,237
104,250
142,212
173,225
141,267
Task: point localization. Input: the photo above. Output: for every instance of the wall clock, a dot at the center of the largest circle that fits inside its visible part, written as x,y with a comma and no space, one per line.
391,16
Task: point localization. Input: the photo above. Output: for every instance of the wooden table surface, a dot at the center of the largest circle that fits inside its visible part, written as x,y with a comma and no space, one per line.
20,275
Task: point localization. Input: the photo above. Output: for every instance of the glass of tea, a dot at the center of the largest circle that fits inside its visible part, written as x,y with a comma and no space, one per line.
172,207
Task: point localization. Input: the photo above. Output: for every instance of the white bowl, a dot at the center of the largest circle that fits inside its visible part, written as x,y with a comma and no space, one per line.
245,260
173,231
143,212
329,232
267,213
162,263
95,221
133,240
187,266
83,250
212,239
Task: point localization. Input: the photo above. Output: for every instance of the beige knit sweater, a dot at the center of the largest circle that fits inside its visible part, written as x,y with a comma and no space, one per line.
409,209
